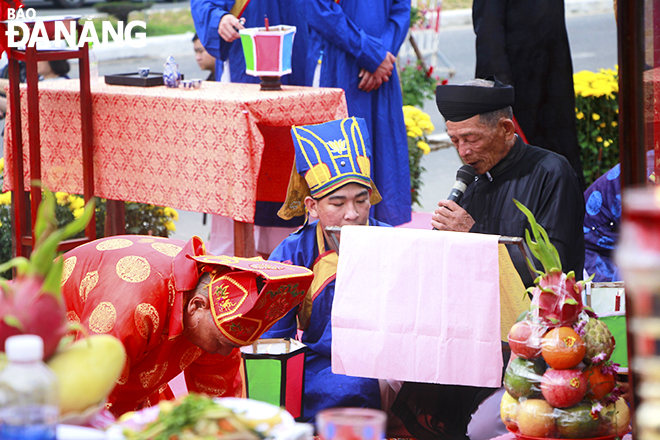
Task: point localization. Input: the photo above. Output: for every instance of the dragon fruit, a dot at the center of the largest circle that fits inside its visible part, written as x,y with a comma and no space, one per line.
32,303
598,340
557,297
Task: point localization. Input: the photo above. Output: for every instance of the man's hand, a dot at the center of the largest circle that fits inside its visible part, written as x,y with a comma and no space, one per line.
229,27
372,81
451,217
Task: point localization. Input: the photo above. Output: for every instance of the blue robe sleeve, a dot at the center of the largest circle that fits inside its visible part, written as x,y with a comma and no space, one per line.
327,18
206,16
285,327
397,28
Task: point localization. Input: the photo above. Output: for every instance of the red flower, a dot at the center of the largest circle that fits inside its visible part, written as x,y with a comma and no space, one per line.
444,81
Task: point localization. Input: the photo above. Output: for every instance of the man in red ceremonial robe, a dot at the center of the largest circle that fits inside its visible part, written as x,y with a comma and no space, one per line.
176,309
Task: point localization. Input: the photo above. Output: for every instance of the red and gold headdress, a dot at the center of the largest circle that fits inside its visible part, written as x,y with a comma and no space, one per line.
248,295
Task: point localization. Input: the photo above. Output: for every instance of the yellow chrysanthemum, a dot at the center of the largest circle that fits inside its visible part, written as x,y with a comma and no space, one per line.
614,123
595,116
602,125
580,115
62,198
410,134
170,226
417,131
606,144
424,147
410,122
2,164
76,202
172,213
78,212
5,198
599,139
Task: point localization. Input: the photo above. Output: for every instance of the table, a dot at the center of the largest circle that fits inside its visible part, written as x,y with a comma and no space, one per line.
217,149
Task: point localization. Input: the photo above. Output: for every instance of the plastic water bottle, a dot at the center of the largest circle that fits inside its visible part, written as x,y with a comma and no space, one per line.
93,67
28,392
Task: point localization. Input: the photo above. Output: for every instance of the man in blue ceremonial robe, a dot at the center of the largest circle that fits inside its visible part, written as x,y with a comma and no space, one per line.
333,183
217,24
356,42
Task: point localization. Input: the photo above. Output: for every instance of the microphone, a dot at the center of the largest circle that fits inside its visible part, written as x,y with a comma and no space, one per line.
464,177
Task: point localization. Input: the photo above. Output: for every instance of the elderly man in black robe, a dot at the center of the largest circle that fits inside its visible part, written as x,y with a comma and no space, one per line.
479,123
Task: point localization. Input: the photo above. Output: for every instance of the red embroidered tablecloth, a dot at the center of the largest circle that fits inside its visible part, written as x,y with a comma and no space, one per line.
197,150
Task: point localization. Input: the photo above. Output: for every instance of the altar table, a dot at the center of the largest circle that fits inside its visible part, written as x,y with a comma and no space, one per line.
217,149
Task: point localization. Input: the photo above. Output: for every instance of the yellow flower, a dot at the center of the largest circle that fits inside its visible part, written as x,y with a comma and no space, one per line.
411,134
172,213
76,202
424,147
603,125
2,164
78,212
606,144
580,115
5,198
417,131
595,116
170,226
599,139
614,123
62,198
409,122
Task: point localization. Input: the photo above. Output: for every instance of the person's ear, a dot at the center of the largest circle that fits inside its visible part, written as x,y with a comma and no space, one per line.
196,303
508,127
312,206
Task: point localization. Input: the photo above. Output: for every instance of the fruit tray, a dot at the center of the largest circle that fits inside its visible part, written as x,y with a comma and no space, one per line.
520,436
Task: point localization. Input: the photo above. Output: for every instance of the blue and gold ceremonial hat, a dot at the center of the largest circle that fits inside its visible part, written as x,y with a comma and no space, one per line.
328,156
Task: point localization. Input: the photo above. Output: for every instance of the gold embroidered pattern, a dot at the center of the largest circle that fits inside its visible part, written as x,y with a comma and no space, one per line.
103,318
72,316
171,291
168,249
151,378
266,266
223,307
69,264
87,284
123,377
133,269
211,385
146,319
189,357
113,243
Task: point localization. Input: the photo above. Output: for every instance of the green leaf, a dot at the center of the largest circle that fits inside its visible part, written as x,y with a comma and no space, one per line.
53,280
553,320
570,301
46,221
13,321
542,248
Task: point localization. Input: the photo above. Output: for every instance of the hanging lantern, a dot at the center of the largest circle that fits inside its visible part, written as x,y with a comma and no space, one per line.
275,373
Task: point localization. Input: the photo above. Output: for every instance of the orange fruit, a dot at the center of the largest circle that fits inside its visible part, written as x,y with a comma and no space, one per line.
563,348
599,384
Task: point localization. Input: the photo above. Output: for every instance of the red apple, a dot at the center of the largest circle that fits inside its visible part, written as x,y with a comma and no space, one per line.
563,388
525,339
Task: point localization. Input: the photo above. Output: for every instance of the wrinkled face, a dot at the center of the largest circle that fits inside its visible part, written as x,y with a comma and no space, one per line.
349,205
204,60
479,145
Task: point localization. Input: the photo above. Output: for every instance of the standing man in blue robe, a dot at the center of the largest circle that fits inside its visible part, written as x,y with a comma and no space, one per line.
358,41
217,23
333,185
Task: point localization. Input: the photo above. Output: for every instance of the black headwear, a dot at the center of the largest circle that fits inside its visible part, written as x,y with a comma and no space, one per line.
460,102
